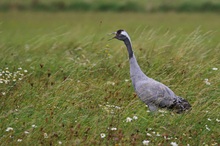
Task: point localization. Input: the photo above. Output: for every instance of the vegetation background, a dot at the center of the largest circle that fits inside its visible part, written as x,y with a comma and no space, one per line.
113,5
63,83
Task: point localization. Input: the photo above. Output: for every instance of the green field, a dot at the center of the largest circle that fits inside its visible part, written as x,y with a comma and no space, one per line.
63,83
112,5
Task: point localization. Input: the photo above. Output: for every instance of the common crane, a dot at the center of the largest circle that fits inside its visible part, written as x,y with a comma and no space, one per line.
151,92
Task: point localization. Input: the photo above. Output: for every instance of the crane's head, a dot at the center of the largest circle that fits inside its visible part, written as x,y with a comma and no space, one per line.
121,35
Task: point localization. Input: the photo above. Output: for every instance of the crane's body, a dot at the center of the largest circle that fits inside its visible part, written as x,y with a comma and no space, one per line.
151,92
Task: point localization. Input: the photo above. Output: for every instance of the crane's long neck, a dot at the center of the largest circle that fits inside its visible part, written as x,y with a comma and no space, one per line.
135,69
129,48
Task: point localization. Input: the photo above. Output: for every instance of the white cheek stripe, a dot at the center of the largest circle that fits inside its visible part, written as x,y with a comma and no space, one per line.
126,34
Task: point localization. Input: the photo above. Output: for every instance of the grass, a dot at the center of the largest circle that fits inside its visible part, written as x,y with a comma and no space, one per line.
112,5
77,85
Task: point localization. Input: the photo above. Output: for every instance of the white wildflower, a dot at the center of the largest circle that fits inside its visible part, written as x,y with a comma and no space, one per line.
25,71
206,81
15,75
19,140
117,107
34,126
209,119
174,144
128,119
217,120
207,128
215,143
20,79
110,106
102,135
113,128
59,142
148,134
110,83
26,132
19,68
3,93
146,142
135,117
1,81
126,80
9,129
45,135
215,68
158,134
6,81
162,111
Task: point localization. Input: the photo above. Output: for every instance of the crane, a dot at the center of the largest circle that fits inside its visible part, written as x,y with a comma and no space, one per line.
151,92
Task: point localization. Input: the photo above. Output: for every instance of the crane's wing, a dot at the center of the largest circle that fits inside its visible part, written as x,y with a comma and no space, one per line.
157,95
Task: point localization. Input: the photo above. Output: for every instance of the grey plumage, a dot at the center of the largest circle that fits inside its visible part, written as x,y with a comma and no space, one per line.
151,92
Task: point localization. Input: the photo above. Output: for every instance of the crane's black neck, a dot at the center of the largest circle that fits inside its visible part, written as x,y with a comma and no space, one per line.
129,47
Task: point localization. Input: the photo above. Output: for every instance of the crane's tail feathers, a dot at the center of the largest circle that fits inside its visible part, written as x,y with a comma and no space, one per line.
181,105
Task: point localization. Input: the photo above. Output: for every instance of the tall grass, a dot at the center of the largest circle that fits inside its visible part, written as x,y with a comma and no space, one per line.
112,5
77,84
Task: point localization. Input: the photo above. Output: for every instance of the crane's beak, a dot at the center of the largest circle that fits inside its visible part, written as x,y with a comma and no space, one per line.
112,34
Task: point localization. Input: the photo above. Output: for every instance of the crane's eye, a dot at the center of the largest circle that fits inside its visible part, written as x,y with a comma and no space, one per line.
119,31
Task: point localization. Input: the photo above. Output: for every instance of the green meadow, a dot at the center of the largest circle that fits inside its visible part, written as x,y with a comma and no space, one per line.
62,82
